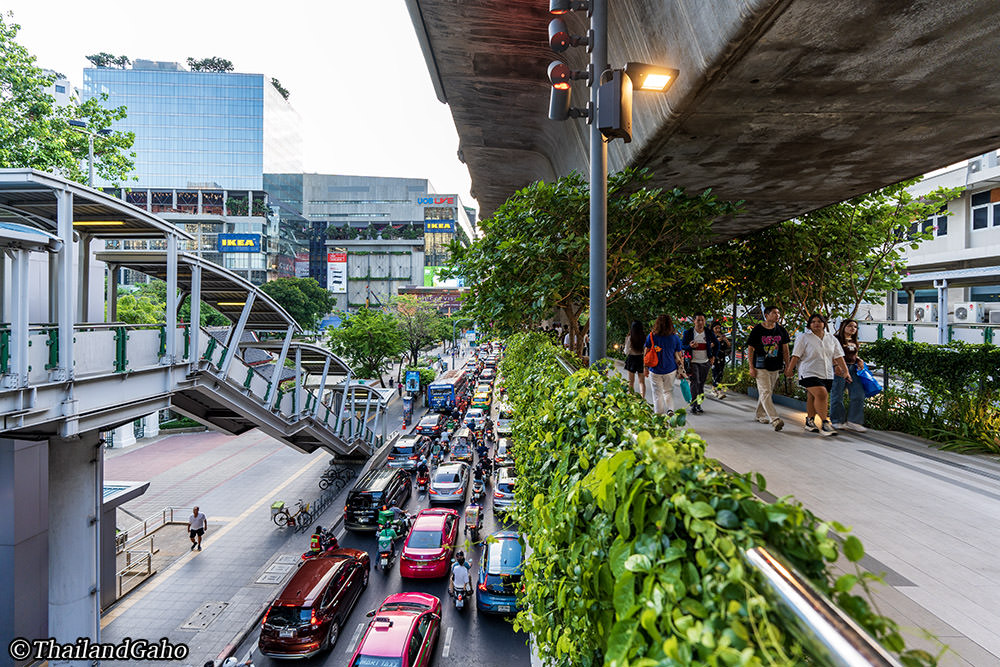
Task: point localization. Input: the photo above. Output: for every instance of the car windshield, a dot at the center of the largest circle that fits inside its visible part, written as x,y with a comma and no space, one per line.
447,477
288,617
402,450
429,421
376,661
425,539
502,450
506,487
504,557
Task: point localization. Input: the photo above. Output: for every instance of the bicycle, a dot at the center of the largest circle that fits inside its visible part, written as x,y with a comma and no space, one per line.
302,517
338,476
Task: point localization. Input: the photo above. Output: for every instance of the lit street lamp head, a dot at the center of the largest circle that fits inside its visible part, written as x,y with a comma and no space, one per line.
651,77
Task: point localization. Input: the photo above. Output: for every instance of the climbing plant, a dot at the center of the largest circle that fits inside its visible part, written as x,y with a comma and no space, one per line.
637,537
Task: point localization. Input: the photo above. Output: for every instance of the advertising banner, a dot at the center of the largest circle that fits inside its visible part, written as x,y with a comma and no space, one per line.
439,226
239,243
336,272
301,265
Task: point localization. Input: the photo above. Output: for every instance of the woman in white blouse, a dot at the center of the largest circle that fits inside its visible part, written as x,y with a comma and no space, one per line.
817,353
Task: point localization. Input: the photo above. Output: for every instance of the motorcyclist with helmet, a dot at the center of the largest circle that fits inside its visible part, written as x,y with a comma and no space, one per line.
460,577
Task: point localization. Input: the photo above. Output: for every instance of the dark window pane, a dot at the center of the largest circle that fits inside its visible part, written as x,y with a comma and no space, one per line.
942,225
928,224
981,198
996,215
980,218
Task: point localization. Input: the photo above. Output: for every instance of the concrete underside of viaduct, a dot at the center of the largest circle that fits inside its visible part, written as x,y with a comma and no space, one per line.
787,104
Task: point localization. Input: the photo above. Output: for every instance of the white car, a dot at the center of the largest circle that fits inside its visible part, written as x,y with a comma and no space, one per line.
474,417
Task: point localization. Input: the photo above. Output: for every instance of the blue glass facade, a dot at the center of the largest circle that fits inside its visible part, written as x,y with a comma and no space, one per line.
192,129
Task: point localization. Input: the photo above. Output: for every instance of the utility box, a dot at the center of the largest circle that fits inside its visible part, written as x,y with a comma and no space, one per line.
614,107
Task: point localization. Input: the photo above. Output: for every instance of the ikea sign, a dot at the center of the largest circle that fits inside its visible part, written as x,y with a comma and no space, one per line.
239,243
439,226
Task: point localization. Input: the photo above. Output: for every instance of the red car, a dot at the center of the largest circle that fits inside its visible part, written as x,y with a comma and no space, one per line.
403,634
430,544
310,612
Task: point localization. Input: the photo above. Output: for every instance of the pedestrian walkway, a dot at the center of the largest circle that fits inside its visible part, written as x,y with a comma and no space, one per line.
927,518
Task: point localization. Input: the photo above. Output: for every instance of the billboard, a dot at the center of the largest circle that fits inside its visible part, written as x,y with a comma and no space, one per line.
239,243
439,226
336,272
432,279
301,265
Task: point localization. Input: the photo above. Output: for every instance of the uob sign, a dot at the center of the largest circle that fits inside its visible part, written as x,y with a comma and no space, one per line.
430,201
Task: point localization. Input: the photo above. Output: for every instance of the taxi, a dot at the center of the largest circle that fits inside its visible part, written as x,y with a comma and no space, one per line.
481,400
403,632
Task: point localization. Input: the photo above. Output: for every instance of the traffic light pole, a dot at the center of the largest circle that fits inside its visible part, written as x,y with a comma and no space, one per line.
598,188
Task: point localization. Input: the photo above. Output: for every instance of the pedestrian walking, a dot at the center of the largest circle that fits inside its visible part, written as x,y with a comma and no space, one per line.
197,525
667,345
700,342
719,367
767,350
817,353
854,419
633,357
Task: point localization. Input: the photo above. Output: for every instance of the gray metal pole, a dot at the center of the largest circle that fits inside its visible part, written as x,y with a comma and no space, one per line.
194,346
298,383
66,287
598,190
90,158
322,387
236,336
278,367
171,306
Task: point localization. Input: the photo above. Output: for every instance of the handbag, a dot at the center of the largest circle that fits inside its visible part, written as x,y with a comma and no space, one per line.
652,356
868,382
686,389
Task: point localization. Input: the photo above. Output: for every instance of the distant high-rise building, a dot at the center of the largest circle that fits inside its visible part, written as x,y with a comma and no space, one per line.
197,130
61,89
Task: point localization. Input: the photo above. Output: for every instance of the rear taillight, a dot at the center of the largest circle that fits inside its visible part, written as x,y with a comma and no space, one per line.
414,457
432,491
312,618
266,614
482,587
497,494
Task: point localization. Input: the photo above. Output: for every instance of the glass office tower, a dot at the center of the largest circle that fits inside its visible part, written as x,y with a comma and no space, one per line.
200,129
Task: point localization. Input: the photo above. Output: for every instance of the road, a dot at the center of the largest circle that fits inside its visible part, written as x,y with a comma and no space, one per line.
467,637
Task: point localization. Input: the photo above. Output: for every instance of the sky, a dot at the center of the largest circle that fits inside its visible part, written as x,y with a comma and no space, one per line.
355,71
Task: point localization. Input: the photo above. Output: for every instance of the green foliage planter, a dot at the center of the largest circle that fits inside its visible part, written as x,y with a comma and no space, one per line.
638,539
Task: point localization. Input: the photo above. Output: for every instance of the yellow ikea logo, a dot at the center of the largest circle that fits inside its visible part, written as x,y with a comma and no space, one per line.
439,225
238,243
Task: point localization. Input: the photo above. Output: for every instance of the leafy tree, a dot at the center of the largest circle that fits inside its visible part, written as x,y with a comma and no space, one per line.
534,256
281,89
106,60
147,304
213,64
420,323
831,260
368,339
34,132
303,298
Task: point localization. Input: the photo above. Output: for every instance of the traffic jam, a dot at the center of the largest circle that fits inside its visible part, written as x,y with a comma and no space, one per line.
430,566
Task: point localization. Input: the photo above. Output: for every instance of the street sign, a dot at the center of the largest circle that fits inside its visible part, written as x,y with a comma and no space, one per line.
413,381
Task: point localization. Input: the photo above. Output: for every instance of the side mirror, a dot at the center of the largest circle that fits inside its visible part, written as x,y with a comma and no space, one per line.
371,614
436,617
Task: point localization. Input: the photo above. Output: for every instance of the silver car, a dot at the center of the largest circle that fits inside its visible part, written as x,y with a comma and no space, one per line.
503,492
449,483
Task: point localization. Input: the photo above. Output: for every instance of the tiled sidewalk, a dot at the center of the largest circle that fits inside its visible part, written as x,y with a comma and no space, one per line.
926,517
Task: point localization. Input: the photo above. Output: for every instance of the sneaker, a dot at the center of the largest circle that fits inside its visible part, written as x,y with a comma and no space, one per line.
778,424
828,427
199,547
826,434
763,420
811,428
855,427
840,426
193,545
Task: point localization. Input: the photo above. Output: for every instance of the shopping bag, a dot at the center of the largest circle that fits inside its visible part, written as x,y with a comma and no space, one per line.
652,356
686,389
868,381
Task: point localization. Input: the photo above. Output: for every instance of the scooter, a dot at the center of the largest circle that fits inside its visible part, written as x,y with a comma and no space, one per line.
385,560
460,594
330,543
422,482
473,521
478,489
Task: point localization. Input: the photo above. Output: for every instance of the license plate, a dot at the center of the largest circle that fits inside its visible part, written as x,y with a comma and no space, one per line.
364,519
503,607
286,633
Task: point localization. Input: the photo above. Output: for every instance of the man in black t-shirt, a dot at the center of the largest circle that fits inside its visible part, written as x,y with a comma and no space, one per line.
767,350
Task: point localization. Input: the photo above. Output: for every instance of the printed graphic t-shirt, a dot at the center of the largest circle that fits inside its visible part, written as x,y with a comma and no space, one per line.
766,344
699,348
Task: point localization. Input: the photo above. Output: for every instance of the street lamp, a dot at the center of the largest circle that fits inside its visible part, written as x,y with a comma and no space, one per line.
81,127
609,114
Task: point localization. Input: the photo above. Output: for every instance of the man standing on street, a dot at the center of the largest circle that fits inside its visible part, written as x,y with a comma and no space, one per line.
703,346
197,525
767,350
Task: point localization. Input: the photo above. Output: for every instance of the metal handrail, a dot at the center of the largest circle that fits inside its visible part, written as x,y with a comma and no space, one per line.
827,632
154,522
128,573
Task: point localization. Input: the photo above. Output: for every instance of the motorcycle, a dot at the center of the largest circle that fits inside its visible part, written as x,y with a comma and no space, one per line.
329,543
422,482
460,598
385,560
478,489
473,521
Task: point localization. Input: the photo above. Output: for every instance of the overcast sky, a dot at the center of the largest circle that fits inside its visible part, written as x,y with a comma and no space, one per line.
354,69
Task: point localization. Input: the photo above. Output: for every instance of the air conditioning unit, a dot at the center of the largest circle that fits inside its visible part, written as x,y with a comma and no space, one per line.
925,312
995,316
969,312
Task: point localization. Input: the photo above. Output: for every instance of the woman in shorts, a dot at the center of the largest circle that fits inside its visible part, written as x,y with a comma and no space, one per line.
817,353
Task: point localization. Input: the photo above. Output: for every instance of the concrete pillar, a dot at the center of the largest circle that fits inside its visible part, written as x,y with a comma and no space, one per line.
124,435
76,481
151,425
910,296
24,540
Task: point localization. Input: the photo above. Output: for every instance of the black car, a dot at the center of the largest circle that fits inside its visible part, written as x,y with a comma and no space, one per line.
407,452
431,425
384,486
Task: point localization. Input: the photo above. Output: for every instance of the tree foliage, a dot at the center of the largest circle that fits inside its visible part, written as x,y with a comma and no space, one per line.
107,60
147,304
420,323
368,339
34,132
281,89
637,537
534,256
829,261
304,299
213,64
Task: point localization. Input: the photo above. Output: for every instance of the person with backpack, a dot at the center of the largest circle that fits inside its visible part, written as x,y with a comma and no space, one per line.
663,362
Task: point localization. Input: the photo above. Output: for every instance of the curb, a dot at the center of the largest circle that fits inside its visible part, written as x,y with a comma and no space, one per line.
378,458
